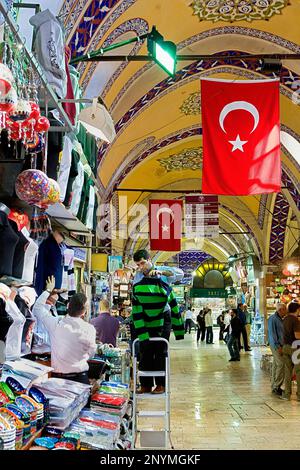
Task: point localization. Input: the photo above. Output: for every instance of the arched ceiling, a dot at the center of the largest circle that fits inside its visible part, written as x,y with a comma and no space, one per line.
158,119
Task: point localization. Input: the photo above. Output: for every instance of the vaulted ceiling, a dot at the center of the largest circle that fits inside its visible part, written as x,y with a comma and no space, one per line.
158,118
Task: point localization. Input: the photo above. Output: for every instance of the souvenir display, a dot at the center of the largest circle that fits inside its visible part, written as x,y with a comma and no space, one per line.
32,186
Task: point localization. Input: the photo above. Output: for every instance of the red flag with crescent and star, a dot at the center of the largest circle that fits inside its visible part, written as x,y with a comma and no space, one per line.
165,223
241,137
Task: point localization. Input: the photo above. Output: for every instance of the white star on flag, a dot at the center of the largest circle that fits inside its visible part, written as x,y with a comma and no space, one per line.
237,144
165,228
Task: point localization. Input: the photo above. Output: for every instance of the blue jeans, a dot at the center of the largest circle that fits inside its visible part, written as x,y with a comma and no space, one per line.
233,347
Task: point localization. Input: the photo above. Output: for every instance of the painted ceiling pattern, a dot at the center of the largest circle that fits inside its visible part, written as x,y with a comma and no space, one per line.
91,24
187,159
191,106
237,10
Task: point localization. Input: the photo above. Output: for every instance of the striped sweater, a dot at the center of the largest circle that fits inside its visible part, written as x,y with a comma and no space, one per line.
150,297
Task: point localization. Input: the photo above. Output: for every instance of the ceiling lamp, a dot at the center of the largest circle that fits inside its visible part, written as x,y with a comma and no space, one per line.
162,52
97,121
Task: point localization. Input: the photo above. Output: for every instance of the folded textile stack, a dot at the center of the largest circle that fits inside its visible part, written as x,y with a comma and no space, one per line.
114,388
112,404
97,430
66,400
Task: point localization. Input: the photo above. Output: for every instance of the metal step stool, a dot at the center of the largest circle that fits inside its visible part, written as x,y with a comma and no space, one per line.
151,438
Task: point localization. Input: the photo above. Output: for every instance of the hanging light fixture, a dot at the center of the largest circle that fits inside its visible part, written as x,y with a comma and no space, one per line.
97,121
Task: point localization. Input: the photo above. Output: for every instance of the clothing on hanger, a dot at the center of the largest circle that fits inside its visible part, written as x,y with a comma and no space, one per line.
19,254
8,242
50,50
27,335
29,258
50,263
65,167
90,209
15,332
68,274
77,190
70,108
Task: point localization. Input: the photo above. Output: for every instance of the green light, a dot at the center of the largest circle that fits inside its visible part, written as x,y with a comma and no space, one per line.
163,52
165,59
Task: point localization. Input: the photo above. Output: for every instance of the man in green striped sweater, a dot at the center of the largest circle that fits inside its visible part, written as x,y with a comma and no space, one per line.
150,297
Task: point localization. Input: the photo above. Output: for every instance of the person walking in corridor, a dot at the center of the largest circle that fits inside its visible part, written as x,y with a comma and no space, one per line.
188,320
209,326
275,336
235,329
291,333
200,326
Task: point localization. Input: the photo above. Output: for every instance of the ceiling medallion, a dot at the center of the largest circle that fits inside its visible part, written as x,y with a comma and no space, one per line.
188,159
191,105
237,10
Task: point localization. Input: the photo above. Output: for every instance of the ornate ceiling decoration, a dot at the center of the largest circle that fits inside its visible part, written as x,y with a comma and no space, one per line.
188,159
191,105
237,10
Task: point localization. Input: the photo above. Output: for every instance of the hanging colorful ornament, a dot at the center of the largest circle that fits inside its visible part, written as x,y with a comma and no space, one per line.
21,111
9,101
35,111
32,186
21,218
42,124
6,79
53,195
34,144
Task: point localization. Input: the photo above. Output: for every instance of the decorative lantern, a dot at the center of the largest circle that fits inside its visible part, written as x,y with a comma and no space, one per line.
34,142
42,124
21,111
9,101
53,195
35,111
6,79
32,186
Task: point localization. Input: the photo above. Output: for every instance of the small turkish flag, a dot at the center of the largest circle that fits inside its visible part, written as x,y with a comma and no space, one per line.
241,140
165,220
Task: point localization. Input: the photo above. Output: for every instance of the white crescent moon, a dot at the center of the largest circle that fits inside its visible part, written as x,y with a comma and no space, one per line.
235,105
167,210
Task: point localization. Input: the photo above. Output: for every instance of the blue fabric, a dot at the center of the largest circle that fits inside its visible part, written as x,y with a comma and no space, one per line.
275,331
139,275
50,263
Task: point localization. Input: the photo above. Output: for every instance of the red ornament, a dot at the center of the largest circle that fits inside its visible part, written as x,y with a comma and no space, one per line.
42,124
286,272
15,135
35,111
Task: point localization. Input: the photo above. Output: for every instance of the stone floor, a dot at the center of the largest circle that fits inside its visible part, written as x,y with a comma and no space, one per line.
216,404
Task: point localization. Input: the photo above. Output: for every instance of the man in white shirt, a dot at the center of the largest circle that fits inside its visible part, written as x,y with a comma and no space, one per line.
209,326
189,316
41,346
73,340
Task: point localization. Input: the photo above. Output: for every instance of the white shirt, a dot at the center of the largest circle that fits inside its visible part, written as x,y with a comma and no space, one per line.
189,315
41,337
73,342
227,319
15,332
208,319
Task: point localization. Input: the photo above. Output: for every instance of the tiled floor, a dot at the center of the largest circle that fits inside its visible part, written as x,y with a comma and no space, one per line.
216,404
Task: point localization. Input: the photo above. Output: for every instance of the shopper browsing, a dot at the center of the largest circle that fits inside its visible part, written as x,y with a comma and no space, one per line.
275,336
107,327
188,320
73,340
209,326
291,332
235,329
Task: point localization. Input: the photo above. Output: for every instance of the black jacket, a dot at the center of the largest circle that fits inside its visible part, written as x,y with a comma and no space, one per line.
236,327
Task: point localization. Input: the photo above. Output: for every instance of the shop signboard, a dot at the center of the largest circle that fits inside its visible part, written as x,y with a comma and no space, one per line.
201,216
179,292
209,293
80,254
115,263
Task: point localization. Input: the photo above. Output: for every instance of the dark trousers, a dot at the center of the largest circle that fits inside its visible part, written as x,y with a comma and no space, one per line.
201,332
152,357
209,334
233,347
221,333
188,325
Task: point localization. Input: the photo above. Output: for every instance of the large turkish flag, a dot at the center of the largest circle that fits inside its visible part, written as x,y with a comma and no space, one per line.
241,140
165,222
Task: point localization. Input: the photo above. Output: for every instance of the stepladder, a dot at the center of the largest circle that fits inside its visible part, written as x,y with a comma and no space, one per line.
151,428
